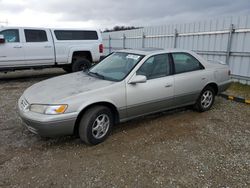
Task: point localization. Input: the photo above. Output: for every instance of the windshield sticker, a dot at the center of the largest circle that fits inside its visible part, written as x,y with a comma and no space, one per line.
131,56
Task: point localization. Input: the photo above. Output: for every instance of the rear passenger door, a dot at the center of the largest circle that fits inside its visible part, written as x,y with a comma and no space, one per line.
189,78
38,47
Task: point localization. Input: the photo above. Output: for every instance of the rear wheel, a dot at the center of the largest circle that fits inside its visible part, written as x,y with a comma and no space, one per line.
206,99
81,65
95,125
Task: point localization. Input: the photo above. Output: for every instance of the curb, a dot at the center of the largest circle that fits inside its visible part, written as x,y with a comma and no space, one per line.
233,98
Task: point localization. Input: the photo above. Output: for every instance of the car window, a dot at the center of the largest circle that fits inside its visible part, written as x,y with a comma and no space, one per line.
155,67
185,63
35,35
75,35
116,66
11,35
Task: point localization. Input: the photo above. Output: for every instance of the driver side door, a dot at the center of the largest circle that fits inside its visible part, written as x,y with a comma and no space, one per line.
11,51
156,94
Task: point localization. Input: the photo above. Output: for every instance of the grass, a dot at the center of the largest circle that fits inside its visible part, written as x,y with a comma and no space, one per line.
239,90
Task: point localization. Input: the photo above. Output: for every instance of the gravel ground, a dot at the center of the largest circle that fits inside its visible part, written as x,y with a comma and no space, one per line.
179,148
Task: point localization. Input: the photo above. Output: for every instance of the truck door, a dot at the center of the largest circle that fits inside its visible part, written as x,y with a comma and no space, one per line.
38,47
11,50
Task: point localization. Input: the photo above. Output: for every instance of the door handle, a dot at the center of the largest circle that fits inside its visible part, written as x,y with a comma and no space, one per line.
17,47
47,46
203,79
168,85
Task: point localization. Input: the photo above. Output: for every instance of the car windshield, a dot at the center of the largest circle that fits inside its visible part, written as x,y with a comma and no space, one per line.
116,66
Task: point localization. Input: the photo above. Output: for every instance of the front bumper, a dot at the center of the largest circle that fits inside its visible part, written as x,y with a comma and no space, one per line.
47,125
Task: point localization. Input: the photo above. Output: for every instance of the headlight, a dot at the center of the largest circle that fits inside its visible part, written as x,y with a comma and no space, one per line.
48,109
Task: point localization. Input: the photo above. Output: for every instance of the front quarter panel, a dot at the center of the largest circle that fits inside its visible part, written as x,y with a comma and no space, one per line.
113,94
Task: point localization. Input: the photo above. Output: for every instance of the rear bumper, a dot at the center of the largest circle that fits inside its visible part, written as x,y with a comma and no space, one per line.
224,86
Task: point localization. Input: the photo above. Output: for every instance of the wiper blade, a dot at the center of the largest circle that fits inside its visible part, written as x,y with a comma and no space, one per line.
97,74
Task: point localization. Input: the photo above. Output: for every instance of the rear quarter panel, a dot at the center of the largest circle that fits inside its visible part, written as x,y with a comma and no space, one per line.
220,76
65,48
219,73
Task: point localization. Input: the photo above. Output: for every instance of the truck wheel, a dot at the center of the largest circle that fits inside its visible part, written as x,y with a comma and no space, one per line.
68,69
205,100
95,125
81,65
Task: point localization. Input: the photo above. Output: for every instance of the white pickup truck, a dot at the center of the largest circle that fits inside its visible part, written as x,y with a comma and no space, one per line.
70,49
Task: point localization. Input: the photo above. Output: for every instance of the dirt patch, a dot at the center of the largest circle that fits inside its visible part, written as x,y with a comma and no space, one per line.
176,148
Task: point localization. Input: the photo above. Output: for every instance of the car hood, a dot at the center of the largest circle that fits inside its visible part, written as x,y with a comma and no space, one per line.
52,90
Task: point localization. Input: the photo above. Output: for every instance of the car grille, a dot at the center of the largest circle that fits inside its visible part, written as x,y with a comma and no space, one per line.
24,105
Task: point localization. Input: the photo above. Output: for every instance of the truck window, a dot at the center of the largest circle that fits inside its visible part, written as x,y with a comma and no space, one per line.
35,35
75,35
10,35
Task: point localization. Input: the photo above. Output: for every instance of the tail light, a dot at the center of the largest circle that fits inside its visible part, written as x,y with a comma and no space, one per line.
101,48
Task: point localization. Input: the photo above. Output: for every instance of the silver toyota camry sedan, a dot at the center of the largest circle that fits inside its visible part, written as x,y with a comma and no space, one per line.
125,85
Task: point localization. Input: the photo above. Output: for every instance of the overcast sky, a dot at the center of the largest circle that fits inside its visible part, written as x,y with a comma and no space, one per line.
108,13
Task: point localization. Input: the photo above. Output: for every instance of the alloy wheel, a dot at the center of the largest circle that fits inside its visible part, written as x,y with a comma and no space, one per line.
207,99
100,126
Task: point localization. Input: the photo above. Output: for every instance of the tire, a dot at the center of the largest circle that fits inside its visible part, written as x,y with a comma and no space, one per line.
96,125
205,100
81,65
67,69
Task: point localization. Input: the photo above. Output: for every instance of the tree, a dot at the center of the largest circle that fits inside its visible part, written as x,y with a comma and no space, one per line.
121,28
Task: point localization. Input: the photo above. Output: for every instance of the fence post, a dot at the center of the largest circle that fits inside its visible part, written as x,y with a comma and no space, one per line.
143,40
175,37
124,41
110,44
229,43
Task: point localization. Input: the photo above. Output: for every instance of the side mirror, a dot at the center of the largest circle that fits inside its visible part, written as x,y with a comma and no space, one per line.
138,79
2,40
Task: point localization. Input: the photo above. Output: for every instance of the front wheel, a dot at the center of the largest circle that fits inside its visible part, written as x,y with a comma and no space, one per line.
205,100
95,125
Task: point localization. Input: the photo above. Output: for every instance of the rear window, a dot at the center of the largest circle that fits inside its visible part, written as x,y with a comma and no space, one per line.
75,35
35,35
185,63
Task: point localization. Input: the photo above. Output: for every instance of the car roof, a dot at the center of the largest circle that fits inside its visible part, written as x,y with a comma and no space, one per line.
151,51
